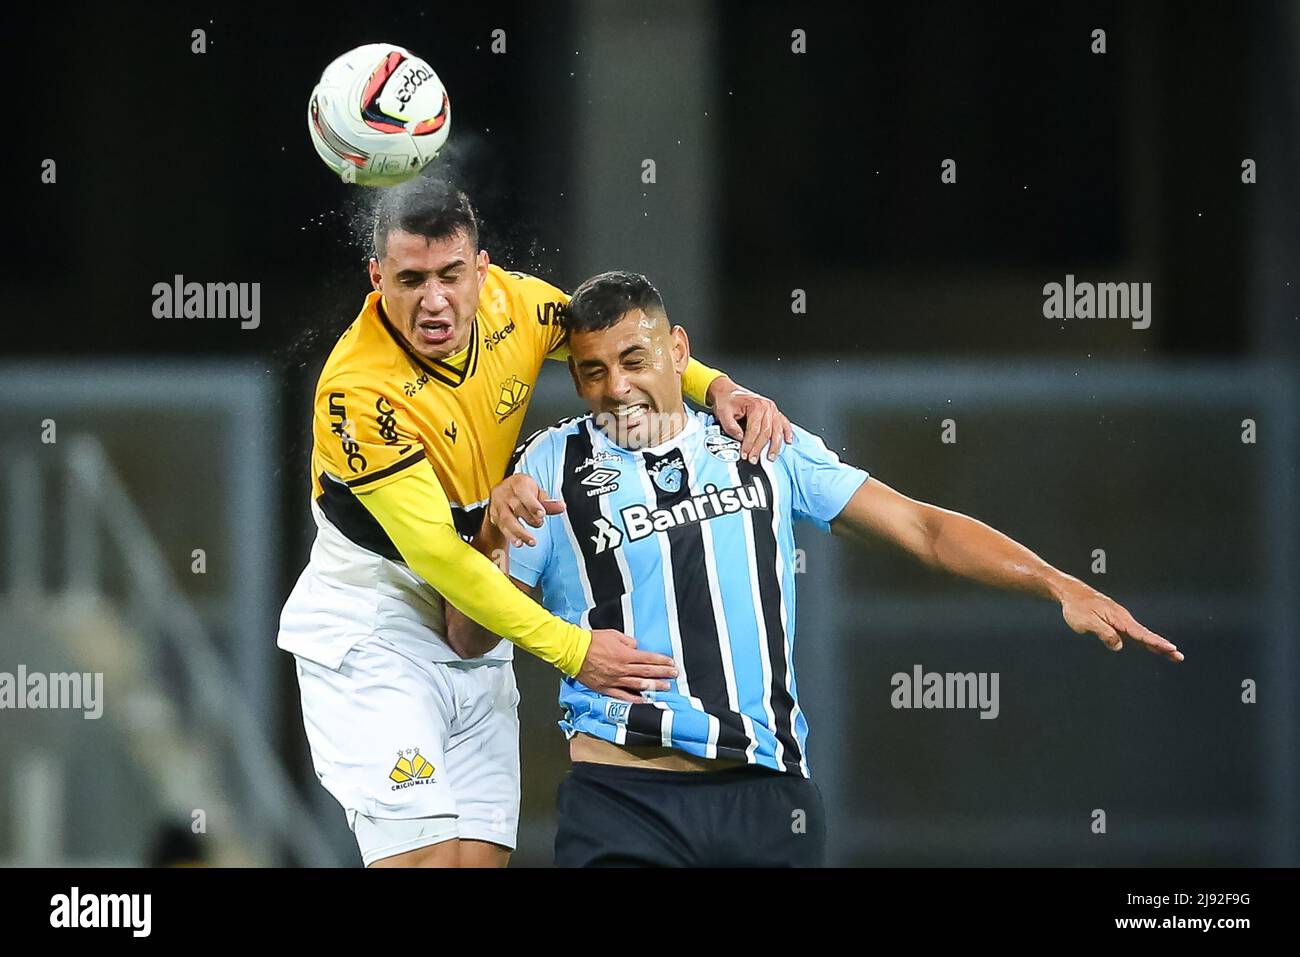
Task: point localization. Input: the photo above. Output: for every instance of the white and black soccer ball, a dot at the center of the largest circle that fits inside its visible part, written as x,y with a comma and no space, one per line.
378,115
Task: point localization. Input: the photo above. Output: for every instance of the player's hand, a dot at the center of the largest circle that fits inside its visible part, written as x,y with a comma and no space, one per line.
614,667
518,500
1088,611
765,425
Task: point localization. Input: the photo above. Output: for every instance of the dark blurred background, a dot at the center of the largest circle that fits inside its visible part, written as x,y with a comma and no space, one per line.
776,171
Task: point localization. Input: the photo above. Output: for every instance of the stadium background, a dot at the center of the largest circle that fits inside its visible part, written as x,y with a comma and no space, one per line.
775,171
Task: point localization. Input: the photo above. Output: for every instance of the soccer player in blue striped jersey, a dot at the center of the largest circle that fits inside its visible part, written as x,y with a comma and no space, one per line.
661,530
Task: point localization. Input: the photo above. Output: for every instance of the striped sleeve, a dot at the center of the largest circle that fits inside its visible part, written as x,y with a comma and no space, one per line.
536,458
820,484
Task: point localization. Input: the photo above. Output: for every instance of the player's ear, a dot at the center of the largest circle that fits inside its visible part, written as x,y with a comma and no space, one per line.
681,349
372,267
481,265
573,374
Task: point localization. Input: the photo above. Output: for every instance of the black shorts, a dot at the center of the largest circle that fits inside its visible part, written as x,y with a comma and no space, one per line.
616,816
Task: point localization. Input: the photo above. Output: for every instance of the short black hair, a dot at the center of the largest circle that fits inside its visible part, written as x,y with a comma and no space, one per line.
426,206
601,301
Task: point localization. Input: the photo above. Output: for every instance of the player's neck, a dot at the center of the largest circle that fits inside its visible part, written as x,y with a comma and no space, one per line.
458,359
460,352
674,422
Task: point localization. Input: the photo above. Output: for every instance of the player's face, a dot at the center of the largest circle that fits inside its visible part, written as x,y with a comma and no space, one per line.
630,376
430,289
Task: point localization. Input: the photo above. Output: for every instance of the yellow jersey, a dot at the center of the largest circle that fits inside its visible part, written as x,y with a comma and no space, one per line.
381,407
405,453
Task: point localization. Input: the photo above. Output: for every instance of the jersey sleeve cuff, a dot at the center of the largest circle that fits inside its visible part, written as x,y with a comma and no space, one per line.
523,570
845,487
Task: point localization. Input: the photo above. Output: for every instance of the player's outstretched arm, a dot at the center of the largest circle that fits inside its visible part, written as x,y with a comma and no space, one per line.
963,546
414,512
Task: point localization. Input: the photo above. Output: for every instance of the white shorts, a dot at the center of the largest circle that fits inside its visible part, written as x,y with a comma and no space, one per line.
396,737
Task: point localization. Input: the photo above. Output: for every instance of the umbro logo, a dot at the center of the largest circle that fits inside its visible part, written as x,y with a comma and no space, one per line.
601,482
607,535
600,477
450,432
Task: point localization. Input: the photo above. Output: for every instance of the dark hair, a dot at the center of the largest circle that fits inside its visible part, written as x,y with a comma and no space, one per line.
426,206
601,301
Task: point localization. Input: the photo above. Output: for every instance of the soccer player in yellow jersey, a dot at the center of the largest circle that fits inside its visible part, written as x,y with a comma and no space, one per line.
417,411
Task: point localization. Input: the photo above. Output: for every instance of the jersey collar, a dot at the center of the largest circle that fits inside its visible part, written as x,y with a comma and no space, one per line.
444,372
692,426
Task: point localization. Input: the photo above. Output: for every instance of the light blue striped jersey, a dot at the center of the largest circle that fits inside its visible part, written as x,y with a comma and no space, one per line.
691,551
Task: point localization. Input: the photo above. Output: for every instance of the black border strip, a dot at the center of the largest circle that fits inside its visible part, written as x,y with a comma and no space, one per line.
444,372
384,473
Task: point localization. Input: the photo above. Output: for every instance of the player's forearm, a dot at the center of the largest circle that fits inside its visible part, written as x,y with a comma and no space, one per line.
478,589
415,516
948,541
961,545
467,637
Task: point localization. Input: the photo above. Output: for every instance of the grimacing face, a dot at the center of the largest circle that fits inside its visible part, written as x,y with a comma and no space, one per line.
630,376
430,289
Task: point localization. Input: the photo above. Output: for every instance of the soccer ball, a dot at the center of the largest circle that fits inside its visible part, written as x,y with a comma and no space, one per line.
378,115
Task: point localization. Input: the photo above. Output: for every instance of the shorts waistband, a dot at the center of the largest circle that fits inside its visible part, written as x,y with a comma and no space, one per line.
630,774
